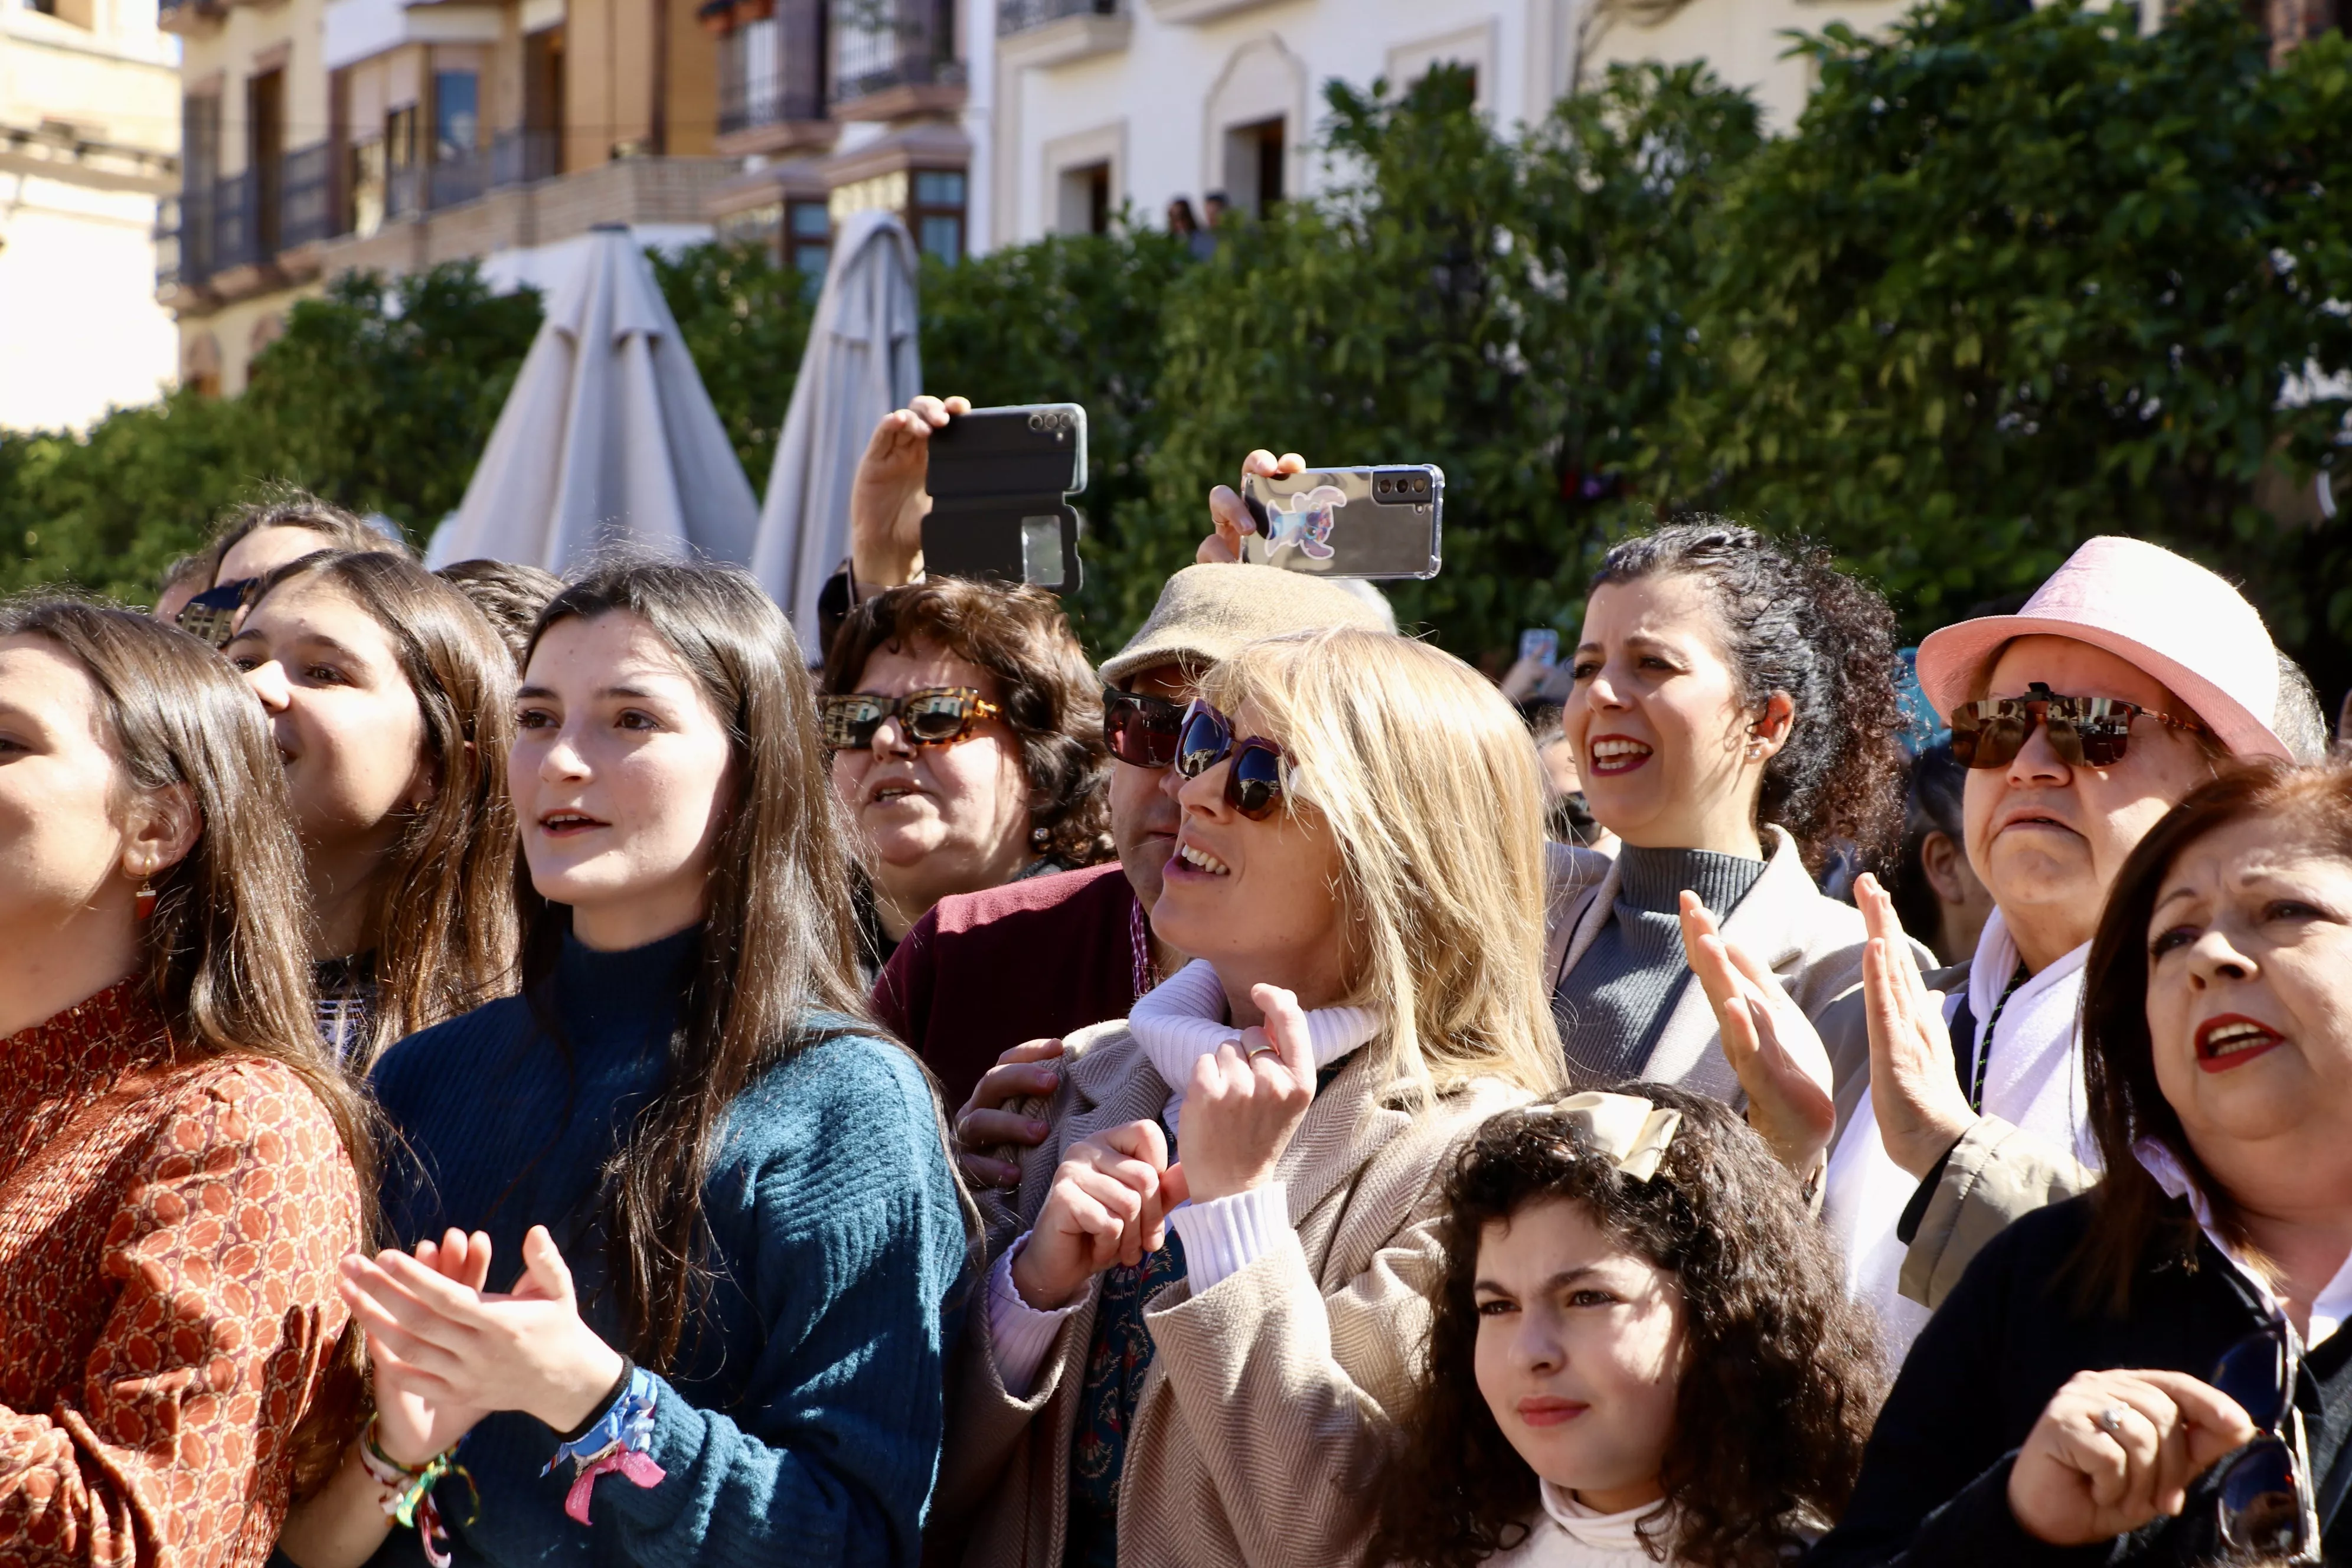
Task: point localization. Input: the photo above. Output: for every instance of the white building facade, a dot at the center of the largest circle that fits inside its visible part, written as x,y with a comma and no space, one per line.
1088,104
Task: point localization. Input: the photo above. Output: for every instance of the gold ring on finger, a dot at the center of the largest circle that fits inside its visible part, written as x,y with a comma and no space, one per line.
1257,1051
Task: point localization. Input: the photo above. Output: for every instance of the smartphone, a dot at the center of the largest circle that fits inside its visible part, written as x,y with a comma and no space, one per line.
999,479
1349,522
1540,644
212,614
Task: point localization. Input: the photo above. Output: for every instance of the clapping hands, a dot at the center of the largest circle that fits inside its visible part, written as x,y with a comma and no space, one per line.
1769,1041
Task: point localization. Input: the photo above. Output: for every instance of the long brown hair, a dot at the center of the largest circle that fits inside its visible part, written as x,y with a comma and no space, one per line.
289,506
1781,1383
774,969
443,919
2133,1214
1053,700
225,950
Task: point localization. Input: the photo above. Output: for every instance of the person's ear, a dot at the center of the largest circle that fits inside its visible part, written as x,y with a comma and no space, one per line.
1940,859
160,828
1770,733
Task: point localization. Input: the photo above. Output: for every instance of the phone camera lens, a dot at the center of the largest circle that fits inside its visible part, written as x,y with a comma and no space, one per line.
1383,485
1037,422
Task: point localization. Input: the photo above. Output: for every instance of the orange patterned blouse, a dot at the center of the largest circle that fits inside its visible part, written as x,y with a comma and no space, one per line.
169,1234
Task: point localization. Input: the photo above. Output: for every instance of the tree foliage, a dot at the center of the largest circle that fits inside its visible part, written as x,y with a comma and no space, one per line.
2022,276
745,318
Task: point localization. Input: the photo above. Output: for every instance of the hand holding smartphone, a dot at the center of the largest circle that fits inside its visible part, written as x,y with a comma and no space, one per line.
999,479
1348,523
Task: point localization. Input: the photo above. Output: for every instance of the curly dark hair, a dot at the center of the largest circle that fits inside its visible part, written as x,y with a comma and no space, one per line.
1784,1376
1793,622
1052,698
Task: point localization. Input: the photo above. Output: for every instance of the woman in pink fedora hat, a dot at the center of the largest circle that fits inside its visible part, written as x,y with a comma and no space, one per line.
2116,689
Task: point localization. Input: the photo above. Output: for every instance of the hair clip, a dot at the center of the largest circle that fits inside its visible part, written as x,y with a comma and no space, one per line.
1634,1133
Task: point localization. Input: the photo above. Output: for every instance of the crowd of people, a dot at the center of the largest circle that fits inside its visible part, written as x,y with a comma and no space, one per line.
505,1069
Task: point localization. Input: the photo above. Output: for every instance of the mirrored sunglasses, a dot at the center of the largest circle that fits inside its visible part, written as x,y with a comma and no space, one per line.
1254,783
2265,1499
1142,729
2085,731
935,716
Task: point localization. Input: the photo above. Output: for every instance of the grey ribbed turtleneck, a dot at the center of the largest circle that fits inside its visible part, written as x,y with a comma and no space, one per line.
1614,1004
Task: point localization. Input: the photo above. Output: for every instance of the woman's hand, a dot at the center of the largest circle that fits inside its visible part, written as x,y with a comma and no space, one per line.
1770,1043
1245,1101
2116,1450
1108,1204
528,1351
1229,515
1914,1091
983,1124
416,1419
888,501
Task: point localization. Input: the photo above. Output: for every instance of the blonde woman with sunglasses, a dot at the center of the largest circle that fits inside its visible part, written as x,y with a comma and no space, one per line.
1204,1294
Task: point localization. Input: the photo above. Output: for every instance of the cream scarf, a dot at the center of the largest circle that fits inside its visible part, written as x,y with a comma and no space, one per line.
1184,1019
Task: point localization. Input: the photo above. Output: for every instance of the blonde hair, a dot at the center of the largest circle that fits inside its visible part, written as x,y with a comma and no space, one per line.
1430,786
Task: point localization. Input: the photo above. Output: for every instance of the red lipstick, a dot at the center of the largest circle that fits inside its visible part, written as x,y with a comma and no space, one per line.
2233,1040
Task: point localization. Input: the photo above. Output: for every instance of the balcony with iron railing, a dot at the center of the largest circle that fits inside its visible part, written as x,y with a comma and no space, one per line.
772,81
1055,32
894,58
519,156
1026,15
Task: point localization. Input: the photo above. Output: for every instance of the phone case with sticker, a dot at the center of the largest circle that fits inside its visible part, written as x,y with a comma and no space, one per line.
1381,521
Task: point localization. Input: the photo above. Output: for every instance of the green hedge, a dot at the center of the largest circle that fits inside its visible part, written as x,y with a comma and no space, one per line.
2017,276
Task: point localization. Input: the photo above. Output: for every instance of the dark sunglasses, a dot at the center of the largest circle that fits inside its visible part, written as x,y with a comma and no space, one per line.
2085,731
1142,729
2265,1499
1254,785
935,716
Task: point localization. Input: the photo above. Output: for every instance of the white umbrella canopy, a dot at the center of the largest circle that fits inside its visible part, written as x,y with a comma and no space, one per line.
862,362
608,436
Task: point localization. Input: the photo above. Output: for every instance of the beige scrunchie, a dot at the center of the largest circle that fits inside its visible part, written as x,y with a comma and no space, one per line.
1634,1133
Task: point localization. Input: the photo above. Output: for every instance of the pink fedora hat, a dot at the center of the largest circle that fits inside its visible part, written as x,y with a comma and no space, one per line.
2159,611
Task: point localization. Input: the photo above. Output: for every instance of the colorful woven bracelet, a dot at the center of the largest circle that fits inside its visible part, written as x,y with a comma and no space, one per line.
407,1495
618,1440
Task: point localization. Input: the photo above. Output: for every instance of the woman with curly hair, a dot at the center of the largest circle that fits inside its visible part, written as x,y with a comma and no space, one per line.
1640,1351
965,727
1733,717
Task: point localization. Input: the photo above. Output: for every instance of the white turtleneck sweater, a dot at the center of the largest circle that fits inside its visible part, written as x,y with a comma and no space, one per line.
1176,1023
1567,1535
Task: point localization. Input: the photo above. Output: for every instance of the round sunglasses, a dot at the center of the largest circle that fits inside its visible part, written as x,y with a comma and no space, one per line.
2085,731
1254,783
934,716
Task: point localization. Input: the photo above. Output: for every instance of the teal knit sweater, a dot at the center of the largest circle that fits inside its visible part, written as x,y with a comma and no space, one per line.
802,1424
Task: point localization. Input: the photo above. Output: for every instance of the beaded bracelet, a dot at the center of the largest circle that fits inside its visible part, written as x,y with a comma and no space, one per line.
616,1440
406,1492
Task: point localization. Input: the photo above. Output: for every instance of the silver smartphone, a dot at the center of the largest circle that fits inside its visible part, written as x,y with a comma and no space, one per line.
1381,521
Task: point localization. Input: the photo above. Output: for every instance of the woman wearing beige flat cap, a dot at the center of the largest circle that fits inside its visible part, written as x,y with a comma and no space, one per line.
2083,719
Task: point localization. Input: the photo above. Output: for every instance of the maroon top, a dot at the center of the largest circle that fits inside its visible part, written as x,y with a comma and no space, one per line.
1033,960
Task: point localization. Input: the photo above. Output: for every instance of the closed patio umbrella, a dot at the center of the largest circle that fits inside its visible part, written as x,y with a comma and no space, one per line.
862,362
608,436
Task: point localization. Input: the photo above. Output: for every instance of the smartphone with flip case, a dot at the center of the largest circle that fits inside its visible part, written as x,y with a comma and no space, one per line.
999,480
1381,521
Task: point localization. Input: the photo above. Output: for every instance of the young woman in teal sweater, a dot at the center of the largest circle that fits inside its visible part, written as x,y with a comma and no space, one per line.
717,1209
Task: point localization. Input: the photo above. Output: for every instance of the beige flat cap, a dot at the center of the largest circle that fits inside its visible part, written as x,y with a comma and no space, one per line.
1207,611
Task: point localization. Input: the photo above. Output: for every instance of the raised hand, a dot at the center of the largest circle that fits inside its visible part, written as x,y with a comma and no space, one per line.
1229,515
888,501
2116,1450
527,1351
1246,1100
1914,1091
983,1125
1108,1204
1769,1041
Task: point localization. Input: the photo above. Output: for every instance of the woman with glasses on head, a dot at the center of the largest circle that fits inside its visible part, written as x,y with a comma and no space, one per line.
966,731
1359,870
254,540
2213,1264
391,700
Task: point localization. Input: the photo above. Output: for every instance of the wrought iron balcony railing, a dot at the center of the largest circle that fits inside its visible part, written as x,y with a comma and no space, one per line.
883,44
1022,15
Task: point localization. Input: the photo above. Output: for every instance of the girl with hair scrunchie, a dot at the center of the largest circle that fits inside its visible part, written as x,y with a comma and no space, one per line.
1640,1351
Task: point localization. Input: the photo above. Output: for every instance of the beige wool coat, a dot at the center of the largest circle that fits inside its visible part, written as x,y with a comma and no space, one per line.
1262,1409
